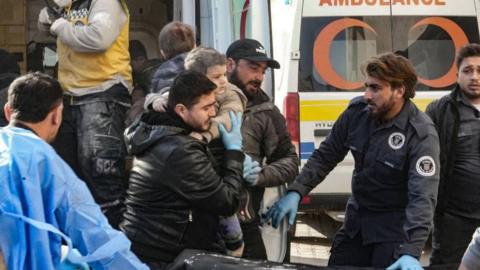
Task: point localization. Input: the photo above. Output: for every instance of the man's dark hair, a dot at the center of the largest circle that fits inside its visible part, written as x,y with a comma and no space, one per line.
176,38
394,69
469,50
33,96
188,87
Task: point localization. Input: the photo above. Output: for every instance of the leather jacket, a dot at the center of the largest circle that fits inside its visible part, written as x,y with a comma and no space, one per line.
175,196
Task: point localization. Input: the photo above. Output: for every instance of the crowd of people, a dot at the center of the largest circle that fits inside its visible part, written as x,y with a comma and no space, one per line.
206,141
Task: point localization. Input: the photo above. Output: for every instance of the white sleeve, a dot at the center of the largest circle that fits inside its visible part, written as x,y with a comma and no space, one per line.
471,258
105,22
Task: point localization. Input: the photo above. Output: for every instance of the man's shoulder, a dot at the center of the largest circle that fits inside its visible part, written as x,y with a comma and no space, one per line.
25,147
441,102
357,102
182,144
422,123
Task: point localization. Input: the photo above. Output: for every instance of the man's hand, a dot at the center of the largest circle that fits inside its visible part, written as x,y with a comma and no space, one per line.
406,262
233,139
251,169
287,205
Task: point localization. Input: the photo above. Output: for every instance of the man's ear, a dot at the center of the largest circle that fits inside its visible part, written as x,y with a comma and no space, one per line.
181,110
56,115
230,65
7,110
162,54
400,92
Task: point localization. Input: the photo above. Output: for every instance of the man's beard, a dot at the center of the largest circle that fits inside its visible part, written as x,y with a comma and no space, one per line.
236,81
471,95
200,129
382,111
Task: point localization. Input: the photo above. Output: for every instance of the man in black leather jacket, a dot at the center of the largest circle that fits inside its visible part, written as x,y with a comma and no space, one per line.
175,197
456,117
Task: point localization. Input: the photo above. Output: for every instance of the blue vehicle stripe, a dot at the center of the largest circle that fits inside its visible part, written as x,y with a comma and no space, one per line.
306,149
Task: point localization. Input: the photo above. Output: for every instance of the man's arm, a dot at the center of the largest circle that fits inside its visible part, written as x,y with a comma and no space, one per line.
282,162
193,177
330,152
81,219
105,22
423,179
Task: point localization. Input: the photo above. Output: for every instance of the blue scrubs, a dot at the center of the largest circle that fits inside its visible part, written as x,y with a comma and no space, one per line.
40,193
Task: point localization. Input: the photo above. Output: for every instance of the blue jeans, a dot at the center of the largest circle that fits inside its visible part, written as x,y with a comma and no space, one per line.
90,140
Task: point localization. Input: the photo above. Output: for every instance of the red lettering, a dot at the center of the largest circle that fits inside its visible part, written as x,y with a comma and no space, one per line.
440,2
427,2
384,3
356,2
371,2
341,2
325,2
398,2
413,2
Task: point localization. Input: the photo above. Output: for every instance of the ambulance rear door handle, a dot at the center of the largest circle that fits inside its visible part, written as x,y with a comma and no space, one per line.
321,132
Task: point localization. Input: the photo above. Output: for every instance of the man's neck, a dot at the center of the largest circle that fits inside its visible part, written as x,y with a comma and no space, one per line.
33,127
393,112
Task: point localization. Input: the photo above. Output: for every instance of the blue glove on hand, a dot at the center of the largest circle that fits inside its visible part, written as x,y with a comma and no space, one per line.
247,165
406,262
233,139
65,264
287,205
251,177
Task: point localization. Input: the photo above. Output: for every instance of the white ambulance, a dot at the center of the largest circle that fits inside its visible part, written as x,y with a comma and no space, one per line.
321,67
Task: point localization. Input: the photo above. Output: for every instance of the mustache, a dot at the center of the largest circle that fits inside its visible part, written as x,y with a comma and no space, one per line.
255,83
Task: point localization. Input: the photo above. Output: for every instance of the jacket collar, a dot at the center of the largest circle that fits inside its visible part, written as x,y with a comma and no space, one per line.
166,119
401,120
259,98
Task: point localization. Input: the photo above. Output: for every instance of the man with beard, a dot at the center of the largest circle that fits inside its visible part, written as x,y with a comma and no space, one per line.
175,196
265,136
456,116
395,179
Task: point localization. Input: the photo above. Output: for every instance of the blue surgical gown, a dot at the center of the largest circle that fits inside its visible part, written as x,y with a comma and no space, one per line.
36,184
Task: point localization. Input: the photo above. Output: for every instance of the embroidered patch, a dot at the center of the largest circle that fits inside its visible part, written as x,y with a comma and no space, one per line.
425,166
396,140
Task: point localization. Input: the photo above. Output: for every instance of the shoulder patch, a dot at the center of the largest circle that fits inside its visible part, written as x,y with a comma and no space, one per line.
425,166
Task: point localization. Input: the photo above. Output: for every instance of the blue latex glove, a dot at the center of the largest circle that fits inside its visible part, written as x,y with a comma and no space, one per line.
287,205
233,139
65,264
406,262
247,165
251,178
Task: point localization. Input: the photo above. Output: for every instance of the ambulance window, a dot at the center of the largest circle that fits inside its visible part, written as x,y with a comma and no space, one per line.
331,55
431,43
